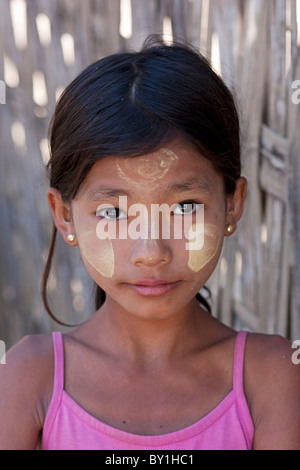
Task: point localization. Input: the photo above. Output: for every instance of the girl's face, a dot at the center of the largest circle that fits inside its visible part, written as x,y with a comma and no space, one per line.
153,266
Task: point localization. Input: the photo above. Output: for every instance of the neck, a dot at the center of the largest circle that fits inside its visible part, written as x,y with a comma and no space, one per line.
148,342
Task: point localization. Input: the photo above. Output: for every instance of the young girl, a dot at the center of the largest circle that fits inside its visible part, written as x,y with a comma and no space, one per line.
151,369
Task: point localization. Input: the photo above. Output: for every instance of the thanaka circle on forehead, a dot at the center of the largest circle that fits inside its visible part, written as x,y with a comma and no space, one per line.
148,169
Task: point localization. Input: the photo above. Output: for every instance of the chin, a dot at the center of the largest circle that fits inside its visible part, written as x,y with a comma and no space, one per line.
155,308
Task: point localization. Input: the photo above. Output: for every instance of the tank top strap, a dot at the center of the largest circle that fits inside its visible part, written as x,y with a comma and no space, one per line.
238,363
239,390
58,346
58,384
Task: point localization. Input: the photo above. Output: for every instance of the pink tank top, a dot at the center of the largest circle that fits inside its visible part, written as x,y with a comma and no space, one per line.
69,427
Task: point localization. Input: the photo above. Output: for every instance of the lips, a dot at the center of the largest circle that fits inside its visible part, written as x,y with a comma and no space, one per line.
152,282
154,287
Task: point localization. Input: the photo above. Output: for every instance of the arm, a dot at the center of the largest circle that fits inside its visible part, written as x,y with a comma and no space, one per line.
24,381
273,383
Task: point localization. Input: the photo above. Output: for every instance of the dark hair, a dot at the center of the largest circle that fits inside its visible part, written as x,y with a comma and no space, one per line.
129,104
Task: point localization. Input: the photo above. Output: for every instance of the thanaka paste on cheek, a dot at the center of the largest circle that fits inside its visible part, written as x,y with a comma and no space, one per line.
200,258
99,254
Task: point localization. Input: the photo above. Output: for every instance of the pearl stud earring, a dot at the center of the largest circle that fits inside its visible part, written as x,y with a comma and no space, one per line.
230,229
71,237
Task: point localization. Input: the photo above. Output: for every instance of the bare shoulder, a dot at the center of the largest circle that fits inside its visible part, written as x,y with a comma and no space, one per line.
270,356
31,361
31,347
267,349
25,386
272,383
30,358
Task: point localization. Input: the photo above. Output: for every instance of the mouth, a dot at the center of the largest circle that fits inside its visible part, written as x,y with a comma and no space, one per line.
153,287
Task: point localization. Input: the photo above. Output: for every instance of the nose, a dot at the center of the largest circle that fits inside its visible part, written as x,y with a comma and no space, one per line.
152,246
150,252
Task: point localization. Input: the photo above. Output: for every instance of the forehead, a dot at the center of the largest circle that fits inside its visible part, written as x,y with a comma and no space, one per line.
167,169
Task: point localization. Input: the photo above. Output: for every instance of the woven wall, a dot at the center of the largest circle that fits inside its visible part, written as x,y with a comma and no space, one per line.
254,45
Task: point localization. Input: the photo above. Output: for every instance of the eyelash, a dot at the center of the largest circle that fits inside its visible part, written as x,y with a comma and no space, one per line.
98,214
188,202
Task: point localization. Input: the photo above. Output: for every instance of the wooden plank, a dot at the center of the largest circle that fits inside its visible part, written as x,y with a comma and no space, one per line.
247,316
273,171
194,22
206,28
251,93
275,183
294,198
147,18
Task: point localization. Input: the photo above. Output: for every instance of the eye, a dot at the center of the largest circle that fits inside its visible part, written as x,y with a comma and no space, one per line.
111,213
185,208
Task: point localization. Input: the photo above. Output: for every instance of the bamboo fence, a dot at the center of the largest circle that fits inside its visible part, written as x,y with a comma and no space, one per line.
255,46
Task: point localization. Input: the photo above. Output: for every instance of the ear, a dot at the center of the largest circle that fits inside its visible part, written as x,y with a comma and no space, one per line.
62,215
235,204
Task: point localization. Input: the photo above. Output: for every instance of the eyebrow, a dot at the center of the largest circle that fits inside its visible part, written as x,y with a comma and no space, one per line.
105,191
197,183
194,184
